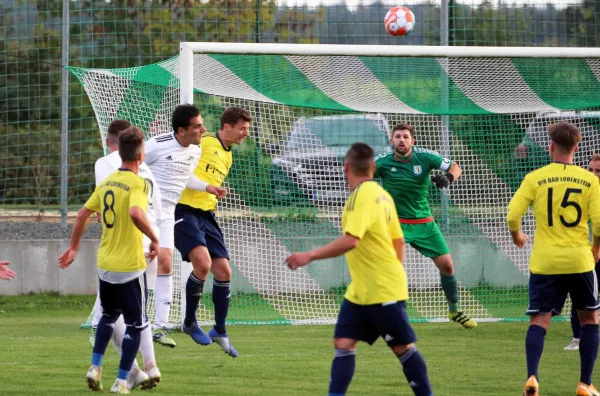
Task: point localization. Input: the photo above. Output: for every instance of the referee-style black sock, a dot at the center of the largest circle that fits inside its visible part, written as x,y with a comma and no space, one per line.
575,325
415,370
220,296
534,346
342,371
588,351
193,293
103,334
131,344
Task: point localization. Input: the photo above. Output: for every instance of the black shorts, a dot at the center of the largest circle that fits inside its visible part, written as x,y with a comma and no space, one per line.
369,322
196,227
548,293
128,299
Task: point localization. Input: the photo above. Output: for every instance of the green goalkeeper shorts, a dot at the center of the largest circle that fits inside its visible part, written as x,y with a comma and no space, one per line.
426,238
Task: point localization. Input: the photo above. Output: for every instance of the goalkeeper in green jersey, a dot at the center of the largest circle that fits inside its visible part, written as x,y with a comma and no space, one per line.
405,175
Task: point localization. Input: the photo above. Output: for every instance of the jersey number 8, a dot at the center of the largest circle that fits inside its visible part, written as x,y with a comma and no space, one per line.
109,207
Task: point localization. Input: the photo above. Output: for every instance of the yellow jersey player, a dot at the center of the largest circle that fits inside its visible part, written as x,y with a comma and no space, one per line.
121,199
563,196
375,303
594,167
198,236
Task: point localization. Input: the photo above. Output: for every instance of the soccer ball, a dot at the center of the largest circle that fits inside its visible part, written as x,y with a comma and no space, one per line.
399,21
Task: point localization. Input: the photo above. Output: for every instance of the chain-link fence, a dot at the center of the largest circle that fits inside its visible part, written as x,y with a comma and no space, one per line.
126,33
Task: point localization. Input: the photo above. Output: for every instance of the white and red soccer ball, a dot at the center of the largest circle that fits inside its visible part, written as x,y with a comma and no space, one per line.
399,21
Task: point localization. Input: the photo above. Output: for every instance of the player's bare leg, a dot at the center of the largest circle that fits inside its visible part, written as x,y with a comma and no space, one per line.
201,264
221,296
450,286
163,297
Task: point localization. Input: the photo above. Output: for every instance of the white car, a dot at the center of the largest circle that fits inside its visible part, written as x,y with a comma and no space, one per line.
309,168
534,149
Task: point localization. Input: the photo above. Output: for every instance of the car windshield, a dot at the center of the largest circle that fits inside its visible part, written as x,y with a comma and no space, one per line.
338,133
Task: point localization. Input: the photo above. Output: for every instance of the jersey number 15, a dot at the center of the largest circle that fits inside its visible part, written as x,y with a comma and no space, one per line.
565,204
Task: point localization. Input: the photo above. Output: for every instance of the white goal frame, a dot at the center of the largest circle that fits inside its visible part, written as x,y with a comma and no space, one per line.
188,49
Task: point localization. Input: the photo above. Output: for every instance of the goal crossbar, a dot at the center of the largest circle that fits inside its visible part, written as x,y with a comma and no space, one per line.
389,51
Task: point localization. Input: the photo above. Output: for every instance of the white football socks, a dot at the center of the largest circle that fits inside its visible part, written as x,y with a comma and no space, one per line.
147,348
163,296
97,311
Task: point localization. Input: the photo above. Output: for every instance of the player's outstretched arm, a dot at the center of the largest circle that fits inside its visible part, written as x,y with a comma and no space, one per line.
5,272
200,185
81,222
594,212
217,191
340,246
139,218
400,248
516,209
455,171
453,174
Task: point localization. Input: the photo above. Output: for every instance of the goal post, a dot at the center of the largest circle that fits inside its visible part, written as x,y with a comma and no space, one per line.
487,108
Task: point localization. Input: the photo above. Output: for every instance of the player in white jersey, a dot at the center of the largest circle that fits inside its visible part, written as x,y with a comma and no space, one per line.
105,166
172,157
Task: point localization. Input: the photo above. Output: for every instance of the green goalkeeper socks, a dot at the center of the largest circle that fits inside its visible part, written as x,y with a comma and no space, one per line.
450,288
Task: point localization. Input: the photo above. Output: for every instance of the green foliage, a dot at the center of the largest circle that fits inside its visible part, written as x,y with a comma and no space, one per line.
582,22
103,34
490,25
126,33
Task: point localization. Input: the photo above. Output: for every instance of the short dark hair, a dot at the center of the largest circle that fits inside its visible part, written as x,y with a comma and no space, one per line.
233,114
564,135
182,116
360,159
114,129
408,127
131,143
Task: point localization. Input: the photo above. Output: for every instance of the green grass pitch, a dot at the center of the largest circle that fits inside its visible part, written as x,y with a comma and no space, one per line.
44,352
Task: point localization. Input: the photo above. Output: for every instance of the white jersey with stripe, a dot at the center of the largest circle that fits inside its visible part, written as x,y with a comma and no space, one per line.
172,165
108,164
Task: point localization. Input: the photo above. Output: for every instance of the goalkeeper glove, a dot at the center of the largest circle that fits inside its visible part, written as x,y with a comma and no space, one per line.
443,180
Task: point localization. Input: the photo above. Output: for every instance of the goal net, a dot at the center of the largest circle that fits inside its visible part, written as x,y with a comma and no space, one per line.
485,108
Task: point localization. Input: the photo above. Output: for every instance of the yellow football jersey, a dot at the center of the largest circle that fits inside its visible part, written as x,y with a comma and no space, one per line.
212,168
563,197
377,274
121,247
